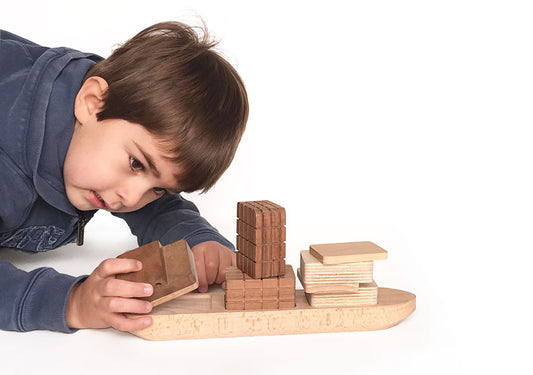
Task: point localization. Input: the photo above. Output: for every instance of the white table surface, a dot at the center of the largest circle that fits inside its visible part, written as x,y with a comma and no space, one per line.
406,123
452,330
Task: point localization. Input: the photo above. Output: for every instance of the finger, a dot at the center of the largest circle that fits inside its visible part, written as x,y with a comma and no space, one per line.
111,267
200,271
125,324
212,262
225,261
233,259
127,305
111,287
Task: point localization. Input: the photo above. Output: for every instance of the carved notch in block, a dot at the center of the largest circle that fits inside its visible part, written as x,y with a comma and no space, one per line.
169,269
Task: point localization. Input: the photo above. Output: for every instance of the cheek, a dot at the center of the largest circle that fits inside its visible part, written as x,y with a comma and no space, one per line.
92,171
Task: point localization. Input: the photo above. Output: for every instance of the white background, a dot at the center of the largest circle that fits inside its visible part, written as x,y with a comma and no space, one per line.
399,122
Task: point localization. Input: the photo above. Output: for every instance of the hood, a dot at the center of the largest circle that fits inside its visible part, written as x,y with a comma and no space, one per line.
44,107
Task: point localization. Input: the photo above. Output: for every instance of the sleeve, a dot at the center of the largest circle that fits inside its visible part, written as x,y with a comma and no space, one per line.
169,219
34,300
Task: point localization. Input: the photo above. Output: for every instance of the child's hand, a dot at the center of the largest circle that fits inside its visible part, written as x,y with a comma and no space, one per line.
101,300
211,260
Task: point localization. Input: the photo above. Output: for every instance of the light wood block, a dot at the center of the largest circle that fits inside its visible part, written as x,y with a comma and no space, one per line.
347,252
366,295
327,288
313,271
202,315
169,269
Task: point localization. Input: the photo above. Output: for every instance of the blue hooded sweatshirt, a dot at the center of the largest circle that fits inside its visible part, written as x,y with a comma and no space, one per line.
38,86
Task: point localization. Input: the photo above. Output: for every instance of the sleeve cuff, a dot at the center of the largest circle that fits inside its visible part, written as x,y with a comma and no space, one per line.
45,304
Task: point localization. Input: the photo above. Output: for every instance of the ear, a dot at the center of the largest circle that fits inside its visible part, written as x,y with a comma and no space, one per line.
89,99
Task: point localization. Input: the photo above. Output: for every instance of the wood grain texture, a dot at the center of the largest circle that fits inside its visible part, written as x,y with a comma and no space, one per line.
313,271
269,293
366,295
326,288
202,315
169,269
347,252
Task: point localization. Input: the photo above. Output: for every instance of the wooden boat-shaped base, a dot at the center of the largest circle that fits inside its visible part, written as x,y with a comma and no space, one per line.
202,315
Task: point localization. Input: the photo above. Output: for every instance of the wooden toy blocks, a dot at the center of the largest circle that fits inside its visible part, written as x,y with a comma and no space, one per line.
340,274
313,271
246,293
347,252
339,292
261,238
169,269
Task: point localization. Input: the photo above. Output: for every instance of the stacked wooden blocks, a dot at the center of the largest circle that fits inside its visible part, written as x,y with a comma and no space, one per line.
261,238
261,279
246,293
340,274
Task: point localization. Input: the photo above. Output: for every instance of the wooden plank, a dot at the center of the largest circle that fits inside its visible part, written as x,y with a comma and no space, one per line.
202,315
347,252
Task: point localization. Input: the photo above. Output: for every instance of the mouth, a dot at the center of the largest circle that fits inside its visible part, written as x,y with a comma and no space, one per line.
96,199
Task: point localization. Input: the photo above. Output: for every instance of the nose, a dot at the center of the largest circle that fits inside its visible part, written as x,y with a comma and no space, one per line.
131,194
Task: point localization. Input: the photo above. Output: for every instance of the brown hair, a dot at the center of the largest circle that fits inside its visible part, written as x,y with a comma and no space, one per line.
169,79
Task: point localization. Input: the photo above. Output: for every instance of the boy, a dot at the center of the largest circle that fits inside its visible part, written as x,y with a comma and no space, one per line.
162,115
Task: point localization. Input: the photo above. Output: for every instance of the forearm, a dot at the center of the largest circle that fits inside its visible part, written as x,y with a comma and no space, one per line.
170,219
34,300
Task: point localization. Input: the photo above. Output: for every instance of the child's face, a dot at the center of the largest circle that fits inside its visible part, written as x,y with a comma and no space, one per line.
117,166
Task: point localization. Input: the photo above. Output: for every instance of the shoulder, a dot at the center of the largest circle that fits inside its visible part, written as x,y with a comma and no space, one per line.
16,51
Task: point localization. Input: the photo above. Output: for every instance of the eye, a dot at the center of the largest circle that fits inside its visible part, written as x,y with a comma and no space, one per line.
160,191
135,165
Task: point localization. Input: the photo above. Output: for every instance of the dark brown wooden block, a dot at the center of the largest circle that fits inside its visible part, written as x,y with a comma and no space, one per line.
264,250
261,235
263,269
278,213
169,269
261,213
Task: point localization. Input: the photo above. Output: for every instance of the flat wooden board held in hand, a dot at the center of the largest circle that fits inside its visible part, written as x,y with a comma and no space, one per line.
202,315
169,269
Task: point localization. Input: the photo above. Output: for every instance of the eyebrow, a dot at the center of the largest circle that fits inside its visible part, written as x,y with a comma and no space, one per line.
152,166
149,160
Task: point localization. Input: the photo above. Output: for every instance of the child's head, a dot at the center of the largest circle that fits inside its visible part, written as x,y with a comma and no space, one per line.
170,80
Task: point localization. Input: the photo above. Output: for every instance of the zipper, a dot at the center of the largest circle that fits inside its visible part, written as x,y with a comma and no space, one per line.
80,228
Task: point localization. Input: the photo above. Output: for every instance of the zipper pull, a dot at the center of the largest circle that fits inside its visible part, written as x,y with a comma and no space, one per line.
80,225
